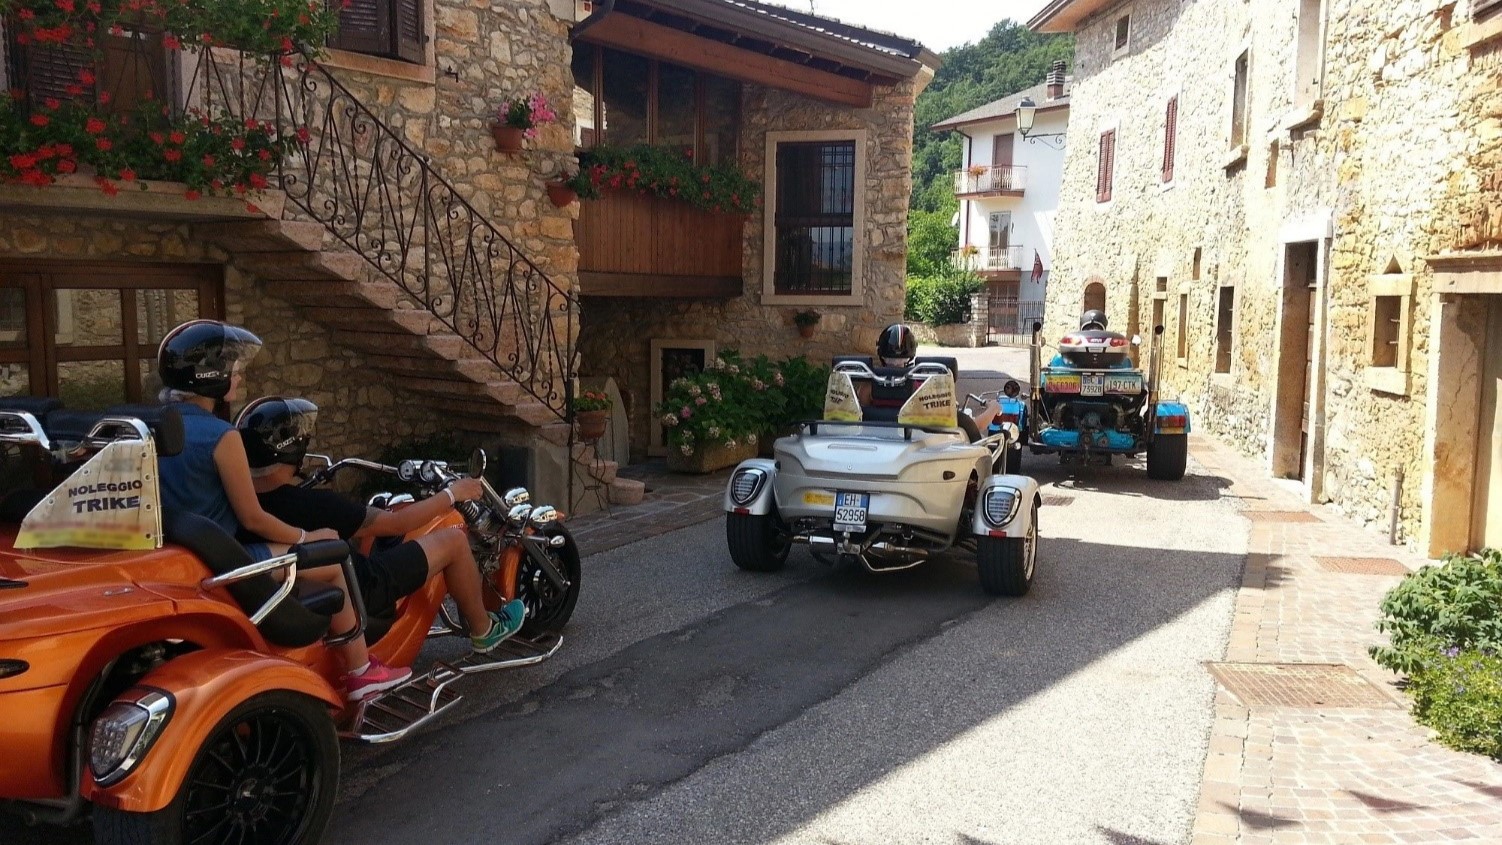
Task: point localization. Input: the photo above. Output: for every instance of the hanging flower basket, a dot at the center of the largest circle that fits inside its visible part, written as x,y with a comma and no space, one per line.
591,424
561,195
508,139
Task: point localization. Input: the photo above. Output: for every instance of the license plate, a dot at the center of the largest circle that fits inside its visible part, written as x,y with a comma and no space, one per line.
850,510
1063,384
1124,384
1093,385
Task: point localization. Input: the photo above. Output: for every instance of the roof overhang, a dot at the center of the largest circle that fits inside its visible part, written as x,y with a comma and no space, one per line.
956,125
781,50
1066,15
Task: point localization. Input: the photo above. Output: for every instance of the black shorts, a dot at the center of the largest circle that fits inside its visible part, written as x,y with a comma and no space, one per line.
389,575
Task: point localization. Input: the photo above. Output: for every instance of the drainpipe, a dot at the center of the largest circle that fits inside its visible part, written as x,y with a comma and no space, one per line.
602,8
964,204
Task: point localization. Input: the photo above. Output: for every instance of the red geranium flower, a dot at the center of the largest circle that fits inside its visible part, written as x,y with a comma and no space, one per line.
94,126
108,187
172,155
103,144
177,137
191,194
39,120
67,165
128,175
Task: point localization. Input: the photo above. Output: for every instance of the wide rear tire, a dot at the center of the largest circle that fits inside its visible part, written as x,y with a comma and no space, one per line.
1006,564
1013,461
755,543
278,751
1167,457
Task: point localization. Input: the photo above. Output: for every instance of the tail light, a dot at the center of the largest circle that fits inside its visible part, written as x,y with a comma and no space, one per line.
1172,421
1070,340
1008,417
1118,341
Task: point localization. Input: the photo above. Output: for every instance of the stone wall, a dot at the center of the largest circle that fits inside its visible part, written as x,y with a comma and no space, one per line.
360,411
616,333
1366,179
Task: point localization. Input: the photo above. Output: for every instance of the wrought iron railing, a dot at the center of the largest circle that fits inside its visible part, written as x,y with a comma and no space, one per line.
989,259
385,201
356,175
994,178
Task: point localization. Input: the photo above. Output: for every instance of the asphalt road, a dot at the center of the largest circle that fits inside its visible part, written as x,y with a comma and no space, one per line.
696,703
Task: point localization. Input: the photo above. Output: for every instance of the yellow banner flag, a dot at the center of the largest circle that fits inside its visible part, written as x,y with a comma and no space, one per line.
932,404
111,502
840,404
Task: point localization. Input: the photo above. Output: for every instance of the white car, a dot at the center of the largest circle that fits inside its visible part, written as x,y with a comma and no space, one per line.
889,494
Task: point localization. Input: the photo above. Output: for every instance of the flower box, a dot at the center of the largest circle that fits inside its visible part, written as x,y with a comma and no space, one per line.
708,458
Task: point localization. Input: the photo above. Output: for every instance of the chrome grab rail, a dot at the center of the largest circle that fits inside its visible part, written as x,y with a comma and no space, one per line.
32,433
288,561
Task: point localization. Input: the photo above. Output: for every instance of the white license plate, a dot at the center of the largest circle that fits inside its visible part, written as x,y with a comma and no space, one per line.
1123,384
1093,385
850,511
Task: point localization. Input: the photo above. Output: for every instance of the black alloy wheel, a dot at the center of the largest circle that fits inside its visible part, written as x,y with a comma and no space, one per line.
549,607
267,775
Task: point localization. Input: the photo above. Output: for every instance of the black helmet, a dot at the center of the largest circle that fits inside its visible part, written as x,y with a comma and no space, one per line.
897,343
1093,319
201,356
277,430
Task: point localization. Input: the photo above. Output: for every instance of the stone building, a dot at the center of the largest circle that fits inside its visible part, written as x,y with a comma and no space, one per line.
1303,193
412,279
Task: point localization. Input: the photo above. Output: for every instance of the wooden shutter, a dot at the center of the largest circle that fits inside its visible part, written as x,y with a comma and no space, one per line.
365,26
1105,166
409,39
49,70
1170,137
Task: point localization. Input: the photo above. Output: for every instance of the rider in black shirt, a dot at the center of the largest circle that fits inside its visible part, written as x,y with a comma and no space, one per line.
277,432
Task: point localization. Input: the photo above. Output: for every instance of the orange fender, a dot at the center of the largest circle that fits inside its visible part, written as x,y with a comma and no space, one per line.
206,686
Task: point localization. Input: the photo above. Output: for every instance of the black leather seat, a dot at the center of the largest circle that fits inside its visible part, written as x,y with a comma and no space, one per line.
294,623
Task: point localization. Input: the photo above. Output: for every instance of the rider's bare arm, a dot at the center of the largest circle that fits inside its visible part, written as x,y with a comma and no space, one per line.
234,474
384,523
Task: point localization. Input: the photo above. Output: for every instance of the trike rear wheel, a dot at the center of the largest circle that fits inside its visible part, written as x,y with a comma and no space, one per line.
1167,456
1006,564
268,773
755,543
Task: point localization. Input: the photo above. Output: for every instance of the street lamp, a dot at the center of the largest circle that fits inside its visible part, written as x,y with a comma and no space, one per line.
1027,112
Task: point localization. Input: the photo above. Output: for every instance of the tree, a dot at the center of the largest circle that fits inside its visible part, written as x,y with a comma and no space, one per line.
929,241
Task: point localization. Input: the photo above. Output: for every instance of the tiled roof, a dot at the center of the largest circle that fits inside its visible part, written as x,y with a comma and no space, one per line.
1006,105
872,39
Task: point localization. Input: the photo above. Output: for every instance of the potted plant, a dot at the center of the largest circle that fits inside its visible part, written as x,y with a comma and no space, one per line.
591,413
977,170
806,321
518,119
563,192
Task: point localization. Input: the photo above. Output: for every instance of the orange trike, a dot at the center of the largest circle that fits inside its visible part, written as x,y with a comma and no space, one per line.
184,693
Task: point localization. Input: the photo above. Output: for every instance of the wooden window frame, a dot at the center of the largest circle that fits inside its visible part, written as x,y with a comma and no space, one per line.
1225,328
1105,166
41,353
701,102
1170,137
1118,47
1483,9
1381,376
1241,76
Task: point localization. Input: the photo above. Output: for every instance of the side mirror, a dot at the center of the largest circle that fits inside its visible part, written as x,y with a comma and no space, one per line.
1011,388
1136,340
476,465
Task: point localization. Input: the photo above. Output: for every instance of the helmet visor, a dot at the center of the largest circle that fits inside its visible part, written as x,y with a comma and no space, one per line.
240,348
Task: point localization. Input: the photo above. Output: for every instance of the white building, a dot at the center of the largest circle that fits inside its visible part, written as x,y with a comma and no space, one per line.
1008,191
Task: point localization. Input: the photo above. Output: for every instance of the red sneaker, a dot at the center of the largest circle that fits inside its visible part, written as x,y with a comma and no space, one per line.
378,677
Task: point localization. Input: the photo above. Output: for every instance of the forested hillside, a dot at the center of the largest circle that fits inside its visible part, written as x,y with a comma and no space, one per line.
1009,58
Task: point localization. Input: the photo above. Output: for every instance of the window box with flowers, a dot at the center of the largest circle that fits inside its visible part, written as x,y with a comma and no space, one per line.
517,120
669,173
75,111
592,413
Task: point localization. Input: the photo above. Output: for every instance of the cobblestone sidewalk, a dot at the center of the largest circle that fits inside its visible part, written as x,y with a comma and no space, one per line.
1321,753
672,501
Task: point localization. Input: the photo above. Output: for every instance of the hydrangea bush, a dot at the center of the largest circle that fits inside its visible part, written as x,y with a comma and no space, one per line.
736,401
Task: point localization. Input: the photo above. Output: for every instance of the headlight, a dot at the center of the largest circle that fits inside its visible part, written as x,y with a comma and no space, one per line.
745,484
124,732
544,515
518,514
516,496
1000,505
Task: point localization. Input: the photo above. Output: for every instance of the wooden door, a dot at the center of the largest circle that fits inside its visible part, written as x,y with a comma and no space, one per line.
1306,421
1001,162
1486,519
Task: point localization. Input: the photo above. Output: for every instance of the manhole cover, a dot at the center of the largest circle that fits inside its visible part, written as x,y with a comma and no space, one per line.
1297,685
1280,516
1362,565
1057,501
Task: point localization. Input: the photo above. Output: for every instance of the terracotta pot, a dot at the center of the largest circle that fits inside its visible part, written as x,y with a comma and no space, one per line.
807,331
709,458
508,139
561,194
591,424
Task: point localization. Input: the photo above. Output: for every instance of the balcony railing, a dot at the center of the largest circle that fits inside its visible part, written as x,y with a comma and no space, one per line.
992,260
991,179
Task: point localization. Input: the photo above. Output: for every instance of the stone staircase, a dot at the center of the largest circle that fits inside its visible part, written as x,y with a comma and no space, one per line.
302,263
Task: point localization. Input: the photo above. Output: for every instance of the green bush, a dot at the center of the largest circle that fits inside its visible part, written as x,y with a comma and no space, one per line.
1454,605
1459,695
941,299
734,400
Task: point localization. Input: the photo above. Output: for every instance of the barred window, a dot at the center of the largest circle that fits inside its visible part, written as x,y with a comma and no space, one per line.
815,217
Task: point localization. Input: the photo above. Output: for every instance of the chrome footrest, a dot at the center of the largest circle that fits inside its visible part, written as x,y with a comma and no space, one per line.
517,651
397,712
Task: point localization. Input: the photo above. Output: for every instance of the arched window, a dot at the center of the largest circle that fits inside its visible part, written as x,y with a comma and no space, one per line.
1095,297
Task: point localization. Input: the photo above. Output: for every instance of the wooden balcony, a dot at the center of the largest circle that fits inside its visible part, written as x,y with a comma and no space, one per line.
637,245
980,181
